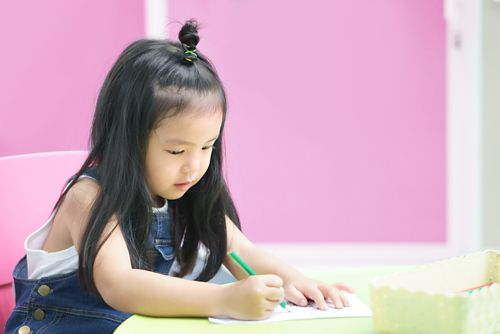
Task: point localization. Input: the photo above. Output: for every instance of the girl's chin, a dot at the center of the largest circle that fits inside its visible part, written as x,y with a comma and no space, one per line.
173,195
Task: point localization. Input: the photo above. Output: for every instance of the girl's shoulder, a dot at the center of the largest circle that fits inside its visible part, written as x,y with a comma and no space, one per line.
84,191
74,210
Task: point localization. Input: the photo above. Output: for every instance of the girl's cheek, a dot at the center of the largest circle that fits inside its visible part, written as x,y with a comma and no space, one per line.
205,168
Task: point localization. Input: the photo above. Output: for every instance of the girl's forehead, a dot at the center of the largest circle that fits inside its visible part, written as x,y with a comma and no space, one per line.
193,124
173,100
188,115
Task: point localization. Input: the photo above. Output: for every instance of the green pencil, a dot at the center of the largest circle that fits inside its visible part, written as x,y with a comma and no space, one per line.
250,271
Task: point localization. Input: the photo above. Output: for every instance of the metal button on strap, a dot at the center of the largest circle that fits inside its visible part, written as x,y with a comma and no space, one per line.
44,290
24,330
39,314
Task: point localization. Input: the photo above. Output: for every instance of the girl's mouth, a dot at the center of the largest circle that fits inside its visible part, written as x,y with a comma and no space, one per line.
183,186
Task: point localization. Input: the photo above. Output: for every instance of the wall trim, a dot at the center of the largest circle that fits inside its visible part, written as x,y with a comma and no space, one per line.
155,20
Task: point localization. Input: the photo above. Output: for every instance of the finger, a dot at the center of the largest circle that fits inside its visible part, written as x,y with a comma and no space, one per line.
269,312
266,313
333,294
272,281
274,294
315,294
271,305
344,298
295,296
344,287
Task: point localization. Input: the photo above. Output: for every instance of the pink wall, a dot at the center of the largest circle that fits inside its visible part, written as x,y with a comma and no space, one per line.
336,131
54,57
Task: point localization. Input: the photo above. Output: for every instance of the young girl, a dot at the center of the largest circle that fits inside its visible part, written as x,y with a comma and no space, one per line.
151,192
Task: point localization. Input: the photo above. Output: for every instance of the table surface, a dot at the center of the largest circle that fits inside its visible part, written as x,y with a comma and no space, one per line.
358,278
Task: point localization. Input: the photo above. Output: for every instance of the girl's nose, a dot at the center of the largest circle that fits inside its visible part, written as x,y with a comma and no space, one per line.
191,166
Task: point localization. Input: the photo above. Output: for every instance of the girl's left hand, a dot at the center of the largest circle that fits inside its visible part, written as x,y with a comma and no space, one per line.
298,290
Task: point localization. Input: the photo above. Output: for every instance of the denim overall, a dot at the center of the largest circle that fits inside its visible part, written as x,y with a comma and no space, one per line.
58,304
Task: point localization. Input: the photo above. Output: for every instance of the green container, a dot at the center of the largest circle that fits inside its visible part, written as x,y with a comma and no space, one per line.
433,298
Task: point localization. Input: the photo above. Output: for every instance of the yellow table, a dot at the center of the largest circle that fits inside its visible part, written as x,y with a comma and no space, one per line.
358,278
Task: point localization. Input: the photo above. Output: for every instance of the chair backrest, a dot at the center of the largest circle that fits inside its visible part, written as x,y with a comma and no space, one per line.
29,187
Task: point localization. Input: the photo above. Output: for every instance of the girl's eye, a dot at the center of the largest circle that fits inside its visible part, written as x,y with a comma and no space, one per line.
182,151
174,152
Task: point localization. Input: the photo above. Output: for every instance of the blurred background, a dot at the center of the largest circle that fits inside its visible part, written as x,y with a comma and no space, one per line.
358,133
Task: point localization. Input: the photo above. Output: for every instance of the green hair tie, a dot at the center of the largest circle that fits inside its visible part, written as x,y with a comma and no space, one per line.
191,53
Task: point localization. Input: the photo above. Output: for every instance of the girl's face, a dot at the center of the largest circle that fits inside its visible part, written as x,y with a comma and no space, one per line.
179,152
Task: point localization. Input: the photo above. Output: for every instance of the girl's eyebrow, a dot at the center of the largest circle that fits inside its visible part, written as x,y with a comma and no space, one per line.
183,142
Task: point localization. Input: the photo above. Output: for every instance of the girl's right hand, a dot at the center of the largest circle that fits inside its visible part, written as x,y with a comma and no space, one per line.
253,298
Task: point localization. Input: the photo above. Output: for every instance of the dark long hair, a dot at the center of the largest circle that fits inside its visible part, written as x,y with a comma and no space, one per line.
151,80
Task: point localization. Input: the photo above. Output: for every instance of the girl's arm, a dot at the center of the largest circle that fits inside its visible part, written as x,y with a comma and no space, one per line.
298,288
140,291
145,292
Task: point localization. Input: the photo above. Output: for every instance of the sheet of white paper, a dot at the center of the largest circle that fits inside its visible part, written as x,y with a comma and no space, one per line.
357,309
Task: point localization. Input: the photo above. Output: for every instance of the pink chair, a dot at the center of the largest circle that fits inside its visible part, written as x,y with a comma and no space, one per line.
29,187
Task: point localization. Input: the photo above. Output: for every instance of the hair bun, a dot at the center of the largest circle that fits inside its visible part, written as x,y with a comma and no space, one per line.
188,35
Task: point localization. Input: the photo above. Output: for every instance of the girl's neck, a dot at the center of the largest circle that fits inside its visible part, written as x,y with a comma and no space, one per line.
158,202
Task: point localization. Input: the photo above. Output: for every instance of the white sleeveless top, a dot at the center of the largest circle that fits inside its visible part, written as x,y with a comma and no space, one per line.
42,263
